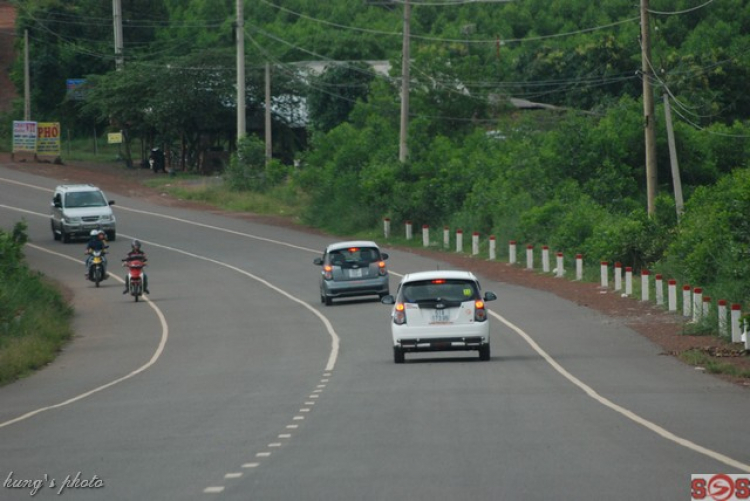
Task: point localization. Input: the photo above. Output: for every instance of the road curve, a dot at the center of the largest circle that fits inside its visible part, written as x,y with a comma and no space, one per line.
235,382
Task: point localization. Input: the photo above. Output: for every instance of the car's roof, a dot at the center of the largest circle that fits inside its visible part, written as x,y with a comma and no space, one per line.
77,187
436,274
351,243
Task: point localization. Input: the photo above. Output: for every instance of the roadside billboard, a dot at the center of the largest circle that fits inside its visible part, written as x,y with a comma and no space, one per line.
24,137
41,138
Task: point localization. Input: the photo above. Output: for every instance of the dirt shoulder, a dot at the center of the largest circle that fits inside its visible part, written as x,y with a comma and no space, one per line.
667,330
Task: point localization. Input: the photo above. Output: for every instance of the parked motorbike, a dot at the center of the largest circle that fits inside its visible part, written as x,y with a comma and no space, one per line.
96,267
135,277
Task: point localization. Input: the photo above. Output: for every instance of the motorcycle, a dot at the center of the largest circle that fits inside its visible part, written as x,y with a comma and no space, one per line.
135,277
96,267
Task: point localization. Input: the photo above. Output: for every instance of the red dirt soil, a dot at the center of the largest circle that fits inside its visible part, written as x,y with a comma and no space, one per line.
7,55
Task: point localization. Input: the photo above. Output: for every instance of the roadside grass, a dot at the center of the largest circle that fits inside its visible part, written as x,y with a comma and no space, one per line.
700,359
35,323
280,201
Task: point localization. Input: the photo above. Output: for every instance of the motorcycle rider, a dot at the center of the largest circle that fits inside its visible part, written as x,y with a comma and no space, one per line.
135,254
98,241
159,161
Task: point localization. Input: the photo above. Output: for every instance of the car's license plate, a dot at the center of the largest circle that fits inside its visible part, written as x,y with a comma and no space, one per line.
355,273
441,316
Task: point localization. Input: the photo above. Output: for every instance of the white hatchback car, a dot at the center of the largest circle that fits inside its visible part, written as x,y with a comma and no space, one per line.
439,311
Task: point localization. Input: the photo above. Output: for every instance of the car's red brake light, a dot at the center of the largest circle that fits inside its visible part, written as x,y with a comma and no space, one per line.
480,313
328,272
399,314
438,281
381,268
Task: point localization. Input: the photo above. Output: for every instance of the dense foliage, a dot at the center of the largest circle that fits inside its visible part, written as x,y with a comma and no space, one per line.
526,117
34,320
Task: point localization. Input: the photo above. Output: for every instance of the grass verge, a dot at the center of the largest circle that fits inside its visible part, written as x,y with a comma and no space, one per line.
35,323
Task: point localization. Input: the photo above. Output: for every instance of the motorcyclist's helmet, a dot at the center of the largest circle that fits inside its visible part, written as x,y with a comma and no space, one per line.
94,233
101,234
135,245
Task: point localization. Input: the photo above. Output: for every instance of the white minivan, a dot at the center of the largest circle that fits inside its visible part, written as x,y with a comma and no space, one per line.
76,209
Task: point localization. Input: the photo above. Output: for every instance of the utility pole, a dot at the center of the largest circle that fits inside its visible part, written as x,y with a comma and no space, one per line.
403,150
117,17
676,181
648,110
240,33
269,137
26,78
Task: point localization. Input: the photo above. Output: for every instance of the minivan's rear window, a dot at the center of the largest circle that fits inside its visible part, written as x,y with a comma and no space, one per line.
448,290
354,255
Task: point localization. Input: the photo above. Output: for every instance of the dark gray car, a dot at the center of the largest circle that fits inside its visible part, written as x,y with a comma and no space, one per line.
352,268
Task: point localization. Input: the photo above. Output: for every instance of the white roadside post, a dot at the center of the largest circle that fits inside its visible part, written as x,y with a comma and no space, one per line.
579,267
512,252
560,265
425,235
387,228
529,257
697,304
737,329
408,230
686,303
659,286
645,284
629,281
604,275
618,276
446,237
493,249
722,313
672,293
474,243
545,259
459,240
706,306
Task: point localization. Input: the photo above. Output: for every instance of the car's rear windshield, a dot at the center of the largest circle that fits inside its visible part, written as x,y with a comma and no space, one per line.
84,199
354,255
448,290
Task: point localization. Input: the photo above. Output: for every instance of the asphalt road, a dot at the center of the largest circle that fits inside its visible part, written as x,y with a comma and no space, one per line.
234,382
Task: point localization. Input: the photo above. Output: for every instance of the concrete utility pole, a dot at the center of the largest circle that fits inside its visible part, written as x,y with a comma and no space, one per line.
403,150
240,32
26,78
676,181
117,17
269,136
648,110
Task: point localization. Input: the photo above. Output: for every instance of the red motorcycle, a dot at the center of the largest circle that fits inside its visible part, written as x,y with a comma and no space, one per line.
135,276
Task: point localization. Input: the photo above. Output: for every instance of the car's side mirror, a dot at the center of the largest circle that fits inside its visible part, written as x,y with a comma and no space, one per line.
318,261
389,299
490,296
56,203
111,202
383,256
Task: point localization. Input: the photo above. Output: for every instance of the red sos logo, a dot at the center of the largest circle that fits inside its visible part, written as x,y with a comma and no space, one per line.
720,487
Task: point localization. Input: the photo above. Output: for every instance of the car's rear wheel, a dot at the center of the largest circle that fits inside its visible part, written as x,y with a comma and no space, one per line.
327,300
54,233
64,236
398,355
484,352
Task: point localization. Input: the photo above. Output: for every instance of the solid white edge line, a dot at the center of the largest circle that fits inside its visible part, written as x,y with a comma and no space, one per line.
152,361
618,408
335,345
